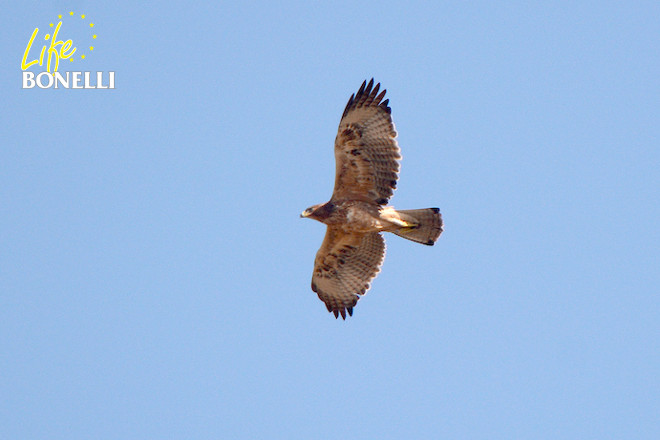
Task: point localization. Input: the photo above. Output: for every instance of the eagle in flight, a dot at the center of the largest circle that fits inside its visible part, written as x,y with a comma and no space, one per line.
367,160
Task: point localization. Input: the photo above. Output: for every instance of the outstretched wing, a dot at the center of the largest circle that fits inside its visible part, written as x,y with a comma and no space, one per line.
366,151
344,267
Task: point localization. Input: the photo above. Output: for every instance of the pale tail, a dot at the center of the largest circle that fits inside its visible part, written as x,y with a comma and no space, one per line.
427,225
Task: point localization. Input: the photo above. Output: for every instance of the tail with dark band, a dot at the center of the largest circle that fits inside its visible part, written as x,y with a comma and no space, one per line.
426,225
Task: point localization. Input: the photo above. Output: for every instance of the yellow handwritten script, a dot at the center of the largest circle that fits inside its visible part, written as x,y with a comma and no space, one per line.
57,50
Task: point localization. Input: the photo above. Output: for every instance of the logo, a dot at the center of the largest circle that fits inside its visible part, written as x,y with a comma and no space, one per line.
56,52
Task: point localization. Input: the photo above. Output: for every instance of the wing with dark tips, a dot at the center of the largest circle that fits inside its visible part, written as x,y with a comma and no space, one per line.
366,152
344,267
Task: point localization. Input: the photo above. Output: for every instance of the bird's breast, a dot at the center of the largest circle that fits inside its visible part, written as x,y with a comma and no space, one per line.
357,218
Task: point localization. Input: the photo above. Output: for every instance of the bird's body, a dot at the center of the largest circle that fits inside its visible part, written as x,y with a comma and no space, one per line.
352,216
367,155
357,217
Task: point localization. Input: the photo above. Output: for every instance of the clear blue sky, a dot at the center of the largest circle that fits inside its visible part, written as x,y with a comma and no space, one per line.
155,275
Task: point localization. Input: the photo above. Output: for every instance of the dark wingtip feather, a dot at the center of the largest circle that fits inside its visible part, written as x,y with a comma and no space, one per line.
340,311
367,95
380,97
361,89
369,86
436,210
349,104
385,106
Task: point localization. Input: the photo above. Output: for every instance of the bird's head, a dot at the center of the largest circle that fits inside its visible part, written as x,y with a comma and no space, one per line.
309,212
317,212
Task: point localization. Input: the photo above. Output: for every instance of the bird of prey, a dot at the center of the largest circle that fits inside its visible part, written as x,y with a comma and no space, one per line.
367,168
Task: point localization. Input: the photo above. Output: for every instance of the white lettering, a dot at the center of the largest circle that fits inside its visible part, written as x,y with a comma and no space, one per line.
88,85
40,82
66,80
99,81
28,80
59,79
76,80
